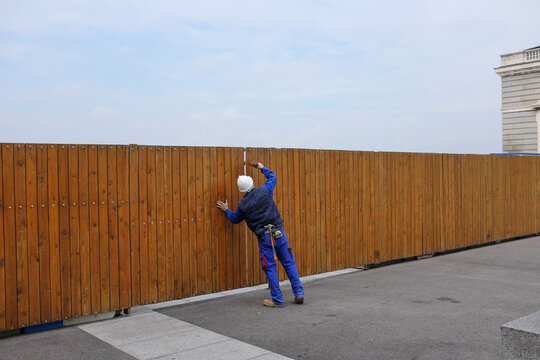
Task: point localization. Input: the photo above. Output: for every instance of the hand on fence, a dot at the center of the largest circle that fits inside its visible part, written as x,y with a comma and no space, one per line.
223,205
256,165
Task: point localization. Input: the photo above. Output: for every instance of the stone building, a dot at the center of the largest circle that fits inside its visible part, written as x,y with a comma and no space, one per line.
520,76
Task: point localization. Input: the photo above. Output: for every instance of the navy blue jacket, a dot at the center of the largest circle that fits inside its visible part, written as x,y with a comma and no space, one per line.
257,207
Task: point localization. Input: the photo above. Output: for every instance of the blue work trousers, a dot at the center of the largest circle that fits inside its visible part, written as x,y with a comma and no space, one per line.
286,257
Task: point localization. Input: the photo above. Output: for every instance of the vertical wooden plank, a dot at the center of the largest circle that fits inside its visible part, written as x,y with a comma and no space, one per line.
74,245
152,227
3,326
168,223
392,208
301,210
312,210
103,228
331,207
206,221
199,226
296,209
222,220
400,204
84,232
65,258
123,228
348,213
378,187
357,220
42,206
94,235
143,225
54,232
112,197
34,305
184,220
215,215
161,241
134,225
192,215
21,236
10,248
321,205
177,225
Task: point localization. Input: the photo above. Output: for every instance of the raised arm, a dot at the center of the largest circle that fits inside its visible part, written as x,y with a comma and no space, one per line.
270,176
271,180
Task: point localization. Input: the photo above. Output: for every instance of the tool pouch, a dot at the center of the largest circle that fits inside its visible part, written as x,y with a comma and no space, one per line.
276,234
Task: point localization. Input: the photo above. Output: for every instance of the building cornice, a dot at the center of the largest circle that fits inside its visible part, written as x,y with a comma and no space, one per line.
518,69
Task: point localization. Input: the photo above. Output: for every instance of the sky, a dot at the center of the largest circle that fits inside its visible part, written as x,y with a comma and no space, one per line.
406,76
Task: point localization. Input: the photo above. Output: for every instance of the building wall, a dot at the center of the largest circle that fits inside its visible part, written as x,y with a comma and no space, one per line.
520,80
520,132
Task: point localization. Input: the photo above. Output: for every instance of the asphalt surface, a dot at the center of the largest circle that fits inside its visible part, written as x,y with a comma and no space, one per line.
446,307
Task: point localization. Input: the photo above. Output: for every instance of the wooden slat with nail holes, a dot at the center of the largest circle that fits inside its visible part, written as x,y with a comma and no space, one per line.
103,225
143,225
312,210
176,222
215,215
134,225
112,197
206,221
21,235
199,226
184,221
321,204
63,204
84,232
54,232
94,235
10,249
222,221
161,243
230,187
124,266
168,223
2,252
74,246
192,213
34,305
152,227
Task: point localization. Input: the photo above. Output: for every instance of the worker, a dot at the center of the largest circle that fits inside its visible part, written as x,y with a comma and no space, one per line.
259,210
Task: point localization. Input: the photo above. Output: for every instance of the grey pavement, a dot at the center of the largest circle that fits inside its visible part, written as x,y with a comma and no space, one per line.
446,307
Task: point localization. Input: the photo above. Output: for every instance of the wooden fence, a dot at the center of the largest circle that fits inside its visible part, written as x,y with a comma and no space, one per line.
86,229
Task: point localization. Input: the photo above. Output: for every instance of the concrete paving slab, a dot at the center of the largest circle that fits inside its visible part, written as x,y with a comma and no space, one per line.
173,343
152,335
127,330
445,307
228,349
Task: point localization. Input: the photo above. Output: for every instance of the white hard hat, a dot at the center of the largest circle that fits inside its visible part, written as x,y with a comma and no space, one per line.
245,183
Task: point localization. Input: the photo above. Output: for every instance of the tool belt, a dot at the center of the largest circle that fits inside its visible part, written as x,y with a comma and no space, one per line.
271,229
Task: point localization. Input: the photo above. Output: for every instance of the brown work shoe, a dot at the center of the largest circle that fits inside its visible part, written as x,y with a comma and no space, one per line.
299,300
270,303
